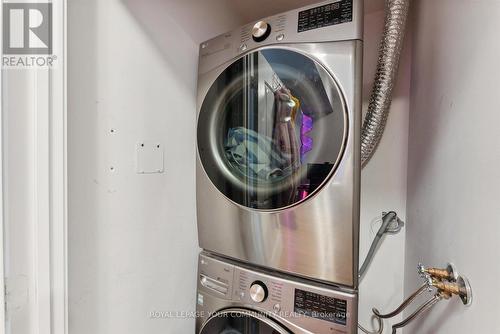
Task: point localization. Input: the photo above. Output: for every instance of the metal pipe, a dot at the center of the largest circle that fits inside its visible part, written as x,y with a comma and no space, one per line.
379,331
404,305
387,68
387,219
426,306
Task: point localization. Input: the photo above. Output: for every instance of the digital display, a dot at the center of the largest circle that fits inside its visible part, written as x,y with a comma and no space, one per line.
326,15
320,307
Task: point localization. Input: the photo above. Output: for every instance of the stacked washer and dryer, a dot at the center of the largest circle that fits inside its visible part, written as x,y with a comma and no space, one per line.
278,173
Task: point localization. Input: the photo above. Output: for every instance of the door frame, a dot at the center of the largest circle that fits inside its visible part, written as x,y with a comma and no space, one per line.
48,303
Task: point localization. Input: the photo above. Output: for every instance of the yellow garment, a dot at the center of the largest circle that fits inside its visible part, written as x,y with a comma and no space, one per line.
295,108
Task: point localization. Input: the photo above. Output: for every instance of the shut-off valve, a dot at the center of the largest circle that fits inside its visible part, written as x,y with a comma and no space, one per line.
445,283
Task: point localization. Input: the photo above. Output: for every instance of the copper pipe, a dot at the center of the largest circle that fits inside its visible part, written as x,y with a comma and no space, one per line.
449,274
403,306
450,288
461,288
426,306
439,273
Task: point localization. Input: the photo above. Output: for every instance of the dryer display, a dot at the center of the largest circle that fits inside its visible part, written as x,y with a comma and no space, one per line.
326,15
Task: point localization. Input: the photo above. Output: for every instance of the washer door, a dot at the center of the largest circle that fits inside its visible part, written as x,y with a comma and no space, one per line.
272,129
239,321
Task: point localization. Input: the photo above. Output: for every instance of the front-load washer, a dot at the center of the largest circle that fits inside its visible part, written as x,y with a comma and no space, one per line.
237,299
278,142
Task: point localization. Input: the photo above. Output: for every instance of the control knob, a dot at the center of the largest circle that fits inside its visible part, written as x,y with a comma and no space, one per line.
261,31
258,291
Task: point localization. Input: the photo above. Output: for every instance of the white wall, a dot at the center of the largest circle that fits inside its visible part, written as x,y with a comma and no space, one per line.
383,184
454,157
132,237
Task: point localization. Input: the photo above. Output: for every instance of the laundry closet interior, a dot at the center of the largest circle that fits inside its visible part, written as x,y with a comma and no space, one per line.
145,83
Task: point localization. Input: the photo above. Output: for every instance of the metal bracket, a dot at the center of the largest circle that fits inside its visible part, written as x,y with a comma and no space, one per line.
465,290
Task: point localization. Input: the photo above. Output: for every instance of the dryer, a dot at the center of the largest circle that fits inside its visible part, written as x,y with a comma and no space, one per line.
278,149
236,299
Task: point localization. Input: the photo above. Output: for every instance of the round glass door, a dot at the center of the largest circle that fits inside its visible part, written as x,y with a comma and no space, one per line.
241,322
271,129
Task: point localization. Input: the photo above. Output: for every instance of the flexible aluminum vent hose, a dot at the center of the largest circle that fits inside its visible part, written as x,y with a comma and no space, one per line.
387,69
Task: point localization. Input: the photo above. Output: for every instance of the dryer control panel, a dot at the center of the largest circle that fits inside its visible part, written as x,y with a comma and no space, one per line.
297,303
328,21
325,15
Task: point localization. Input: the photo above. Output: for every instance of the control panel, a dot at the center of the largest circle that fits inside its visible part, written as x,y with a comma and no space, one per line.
328,21
325,15
317,307
320,307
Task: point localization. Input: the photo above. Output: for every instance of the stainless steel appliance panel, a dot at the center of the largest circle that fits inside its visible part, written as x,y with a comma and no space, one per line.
317,238
291,305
